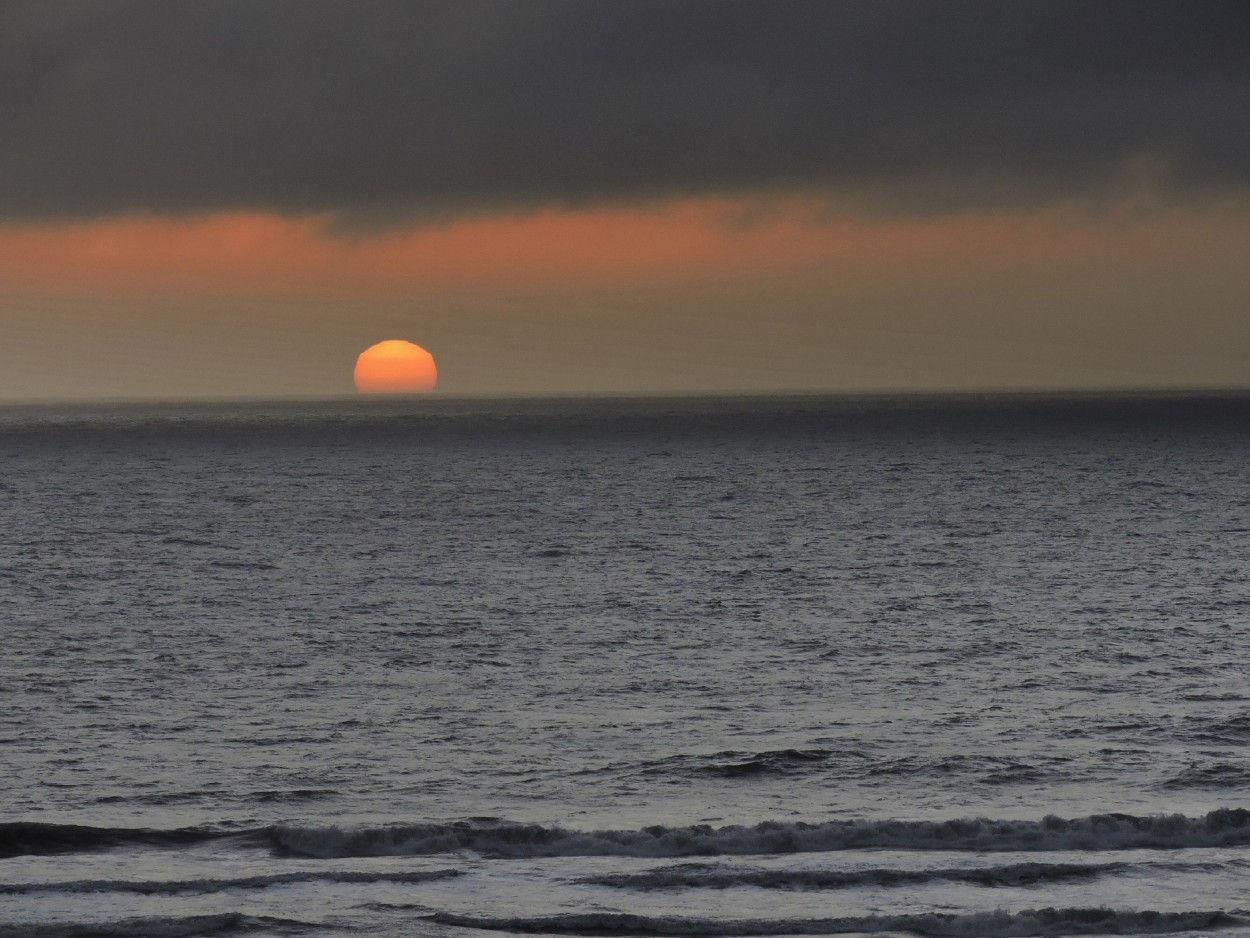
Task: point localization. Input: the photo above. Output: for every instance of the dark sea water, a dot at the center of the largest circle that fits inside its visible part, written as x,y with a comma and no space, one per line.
944,666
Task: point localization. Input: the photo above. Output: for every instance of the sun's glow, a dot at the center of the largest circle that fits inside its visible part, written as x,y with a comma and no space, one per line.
395,366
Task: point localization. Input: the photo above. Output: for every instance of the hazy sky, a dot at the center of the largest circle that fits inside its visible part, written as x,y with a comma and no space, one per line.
565,196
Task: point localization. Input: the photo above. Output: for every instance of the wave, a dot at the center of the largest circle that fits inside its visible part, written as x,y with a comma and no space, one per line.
701,877
199,886
1226,827
1234,731
1216,775
20,838
157,927
988,770
999,924
1222,828
732,763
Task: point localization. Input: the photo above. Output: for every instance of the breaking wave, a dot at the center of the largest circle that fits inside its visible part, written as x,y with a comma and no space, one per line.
999,924
702,877
197,886
156,927
1222,828
1226,827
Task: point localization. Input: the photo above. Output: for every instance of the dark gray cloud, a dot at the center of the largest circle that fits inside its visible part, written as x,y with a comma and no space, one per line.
394,107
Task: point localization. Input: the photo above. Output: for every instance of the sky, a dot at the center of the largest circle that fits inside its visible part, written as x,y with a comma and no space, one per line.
233,199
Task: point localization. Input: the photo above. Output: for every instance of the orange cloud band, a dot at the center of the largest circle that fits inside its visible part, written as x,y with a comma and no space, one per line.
678,240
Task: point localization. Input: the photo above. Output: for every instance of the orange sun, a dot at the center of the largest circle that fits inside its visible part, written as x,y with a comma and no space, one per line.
395,367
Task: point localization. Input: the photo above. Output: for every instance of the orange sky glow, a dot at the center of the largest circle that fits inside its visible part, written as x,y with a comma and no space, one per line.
692,238
691,295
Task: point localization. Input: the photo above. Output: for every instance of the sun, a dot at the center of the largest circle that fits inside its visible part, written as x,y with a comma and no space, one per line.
395,366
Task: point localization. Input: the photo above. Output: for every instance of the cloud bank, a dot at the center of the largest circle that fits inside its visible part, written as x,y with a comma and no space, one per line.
422,108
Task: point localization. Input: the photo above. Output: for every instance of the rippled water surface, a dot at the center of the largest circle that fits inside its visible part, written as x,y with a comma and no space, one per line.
939,666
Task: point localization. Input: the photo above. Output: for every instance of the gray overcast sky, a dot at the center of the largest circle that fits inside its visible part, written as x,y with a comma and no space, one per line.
391,108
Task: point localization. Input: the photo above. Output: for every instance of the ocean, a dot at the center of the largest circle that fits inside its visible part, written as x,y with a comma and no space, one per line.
946,665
